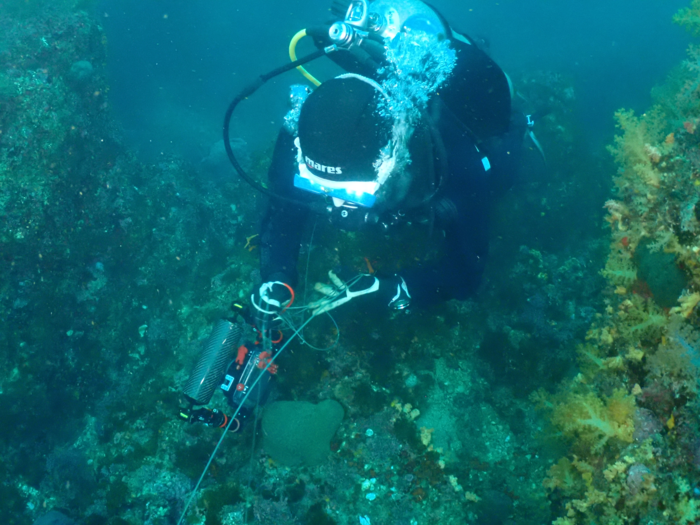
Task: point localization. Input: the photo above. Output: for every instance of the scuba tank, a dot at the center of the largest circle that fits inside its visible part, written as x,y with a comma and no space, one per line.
384,19
478,92
387,18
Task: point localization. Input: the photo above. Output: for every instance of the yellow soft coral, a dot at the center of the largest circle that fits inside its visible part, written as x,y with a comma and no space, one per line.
619,269
688,302
593,421
640,318
563,476
639,149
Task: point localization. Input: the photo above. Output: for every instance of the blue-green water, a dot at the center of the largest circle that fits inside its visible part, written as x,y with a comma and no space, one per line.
184,61
126,234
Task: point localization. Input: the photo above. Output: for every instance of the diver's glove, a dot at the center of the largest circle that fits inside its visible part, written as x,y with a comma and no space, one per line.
389,291
269,301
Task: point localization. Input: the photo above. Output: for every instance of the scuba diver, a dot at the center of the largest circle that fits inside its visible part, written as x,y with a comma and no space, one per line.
420,126
346,149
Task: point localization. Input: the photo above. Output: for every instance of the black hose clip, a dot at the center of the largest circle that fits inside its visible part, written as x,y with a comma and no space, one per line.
208,417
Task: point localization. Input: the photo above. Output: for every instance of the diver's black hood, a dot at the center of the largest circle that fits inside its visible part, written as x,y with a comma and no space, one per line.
340,130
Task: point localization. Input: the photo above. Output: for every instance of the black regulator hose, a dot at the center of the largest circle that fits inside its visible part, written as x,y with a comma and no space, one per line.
366,60
245,93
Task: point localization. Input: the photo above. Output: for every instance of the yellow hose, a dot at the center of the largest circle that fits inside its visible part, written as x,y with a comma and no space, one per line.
293,55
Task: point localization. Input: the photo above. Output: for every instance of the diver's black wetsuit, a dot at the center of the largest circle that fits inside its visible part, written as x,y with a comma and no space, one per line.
470,186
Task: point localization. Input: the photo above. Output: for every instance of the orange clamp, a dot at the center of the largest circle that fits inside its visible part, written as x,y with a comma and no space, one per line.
291,301
242,352
264,360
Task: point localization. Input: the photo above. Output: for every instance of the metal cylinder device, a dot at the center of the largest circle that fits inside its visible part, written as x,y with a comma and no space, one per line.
388,17
384,18
341,34
478,92
209,371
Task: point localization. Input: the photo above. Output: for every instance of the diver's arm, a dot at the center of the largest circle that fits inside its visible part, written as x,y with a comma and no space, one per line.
457,274
283,222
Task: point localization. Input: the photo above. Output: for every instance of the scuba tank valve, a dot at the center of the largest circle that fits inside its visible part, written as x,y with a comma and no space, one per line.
384,19
351,30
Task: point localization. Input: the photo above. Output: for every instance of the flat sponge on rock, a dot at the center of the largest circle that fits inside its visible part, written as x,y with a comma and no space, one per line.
299,432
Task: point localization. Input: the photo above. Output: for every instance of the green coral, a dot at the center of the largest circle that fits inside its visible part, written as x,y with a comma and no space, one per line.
689,18
661,273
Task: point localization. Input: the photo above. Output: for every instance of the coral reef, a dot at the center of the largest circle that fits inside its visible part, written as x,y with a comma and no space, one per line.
631,414
113,269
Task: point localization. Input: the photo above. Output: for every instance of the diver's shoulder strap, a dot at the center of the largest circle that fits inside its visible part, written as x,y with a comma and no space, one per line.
478,91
